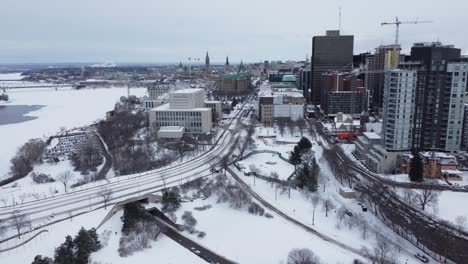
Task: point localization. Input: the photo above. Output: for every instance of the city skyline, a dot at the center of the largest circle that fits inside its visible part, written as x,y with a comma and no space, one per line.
54,31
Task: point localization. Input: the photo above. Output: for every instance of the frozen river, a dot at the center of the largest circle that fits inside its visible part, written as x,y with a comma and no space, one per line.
40,113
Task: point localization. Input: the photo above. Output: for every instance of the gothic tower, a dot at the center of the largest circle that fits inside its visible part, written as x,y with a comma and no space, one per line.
226,66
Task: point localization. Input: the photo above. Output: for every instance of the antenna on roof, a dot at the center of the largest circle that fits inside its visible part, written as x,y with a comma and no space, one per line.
339,18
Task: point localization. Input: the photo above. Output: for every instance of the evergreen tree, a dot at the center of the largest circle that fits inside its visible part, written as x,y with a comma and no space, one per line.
307,176
312,184
94,240
170,201
130,216
64,253
304,144
303,175
42,260
234,102
295,157
83,245
416,169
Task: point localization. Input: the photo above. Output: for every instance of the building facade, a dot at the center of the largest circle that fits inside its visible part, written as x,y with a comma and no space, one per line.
156,90
332,52
371,153
435,164
439,106
343,92
234,83
186,108
386,57
280,103
398,109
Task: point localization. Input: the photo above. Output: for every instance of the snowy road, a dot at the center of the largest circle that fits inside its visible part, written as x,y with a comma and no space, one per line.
45,211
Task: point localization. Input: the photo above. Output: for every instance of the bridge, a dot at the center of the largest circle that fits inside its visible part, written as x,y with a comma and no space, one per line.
8,84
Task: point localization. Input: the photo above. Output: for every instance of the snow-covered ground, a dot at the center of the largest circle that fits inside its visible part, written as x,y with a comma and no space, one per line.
453,204
247,238
46,243
63,108
163,250
267,163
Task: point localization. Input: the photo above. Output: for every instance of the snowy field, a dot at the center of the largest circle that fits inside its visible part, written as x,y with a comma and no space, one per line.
247,238
267,163
163,250
46,243
66,107
452,204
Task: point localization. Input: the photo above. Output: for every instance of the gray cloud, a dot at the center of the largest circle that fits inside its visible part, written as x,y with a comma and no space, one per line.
170,31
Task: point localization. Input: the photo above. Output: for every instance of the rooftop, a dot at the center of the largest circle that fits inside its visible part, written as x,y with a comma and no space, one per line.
186,91
371,135
240,75
166,108
172,128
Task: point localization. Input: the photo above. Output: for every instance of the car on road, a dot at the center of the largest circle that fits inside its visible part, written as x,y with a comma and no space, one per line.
422,257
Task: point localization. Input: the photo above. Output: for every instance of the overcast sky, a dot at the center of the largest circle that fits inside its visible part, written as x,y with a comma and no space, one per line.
173,30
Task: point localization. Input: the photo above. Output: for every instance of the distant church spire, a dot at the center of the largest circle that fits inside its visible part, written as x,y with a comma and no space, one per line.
207,61
241,66
227,61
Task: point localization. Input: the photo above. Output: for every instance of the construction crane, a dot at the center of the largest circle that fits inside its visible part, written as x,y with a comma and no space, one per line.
397,24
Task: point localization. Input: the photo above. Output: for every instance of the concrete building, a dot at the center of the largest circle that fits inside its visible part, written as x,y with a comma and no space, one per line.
186,108
378,64
332,52
234,83
464,144
187,99
171,132
439,105
157,89
343,92
304,82
369,151
276,103
216,109
398,109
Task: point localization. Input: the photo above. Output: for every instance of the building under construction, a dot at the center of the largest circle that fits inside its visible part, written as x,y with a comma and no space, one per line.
343,92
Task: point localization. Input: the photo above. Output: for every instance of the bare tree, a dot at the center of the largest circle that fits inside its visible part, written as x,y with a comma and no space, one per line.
22,197
409,197
382,253
20,166
328,205
36,196
2,230
460,221
254,169
281,126
363,225
163,178
302,256
33,150
181,148
105,194
224,162
19,221
428,196
65,178
315,199
302,124
274,175
4,200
